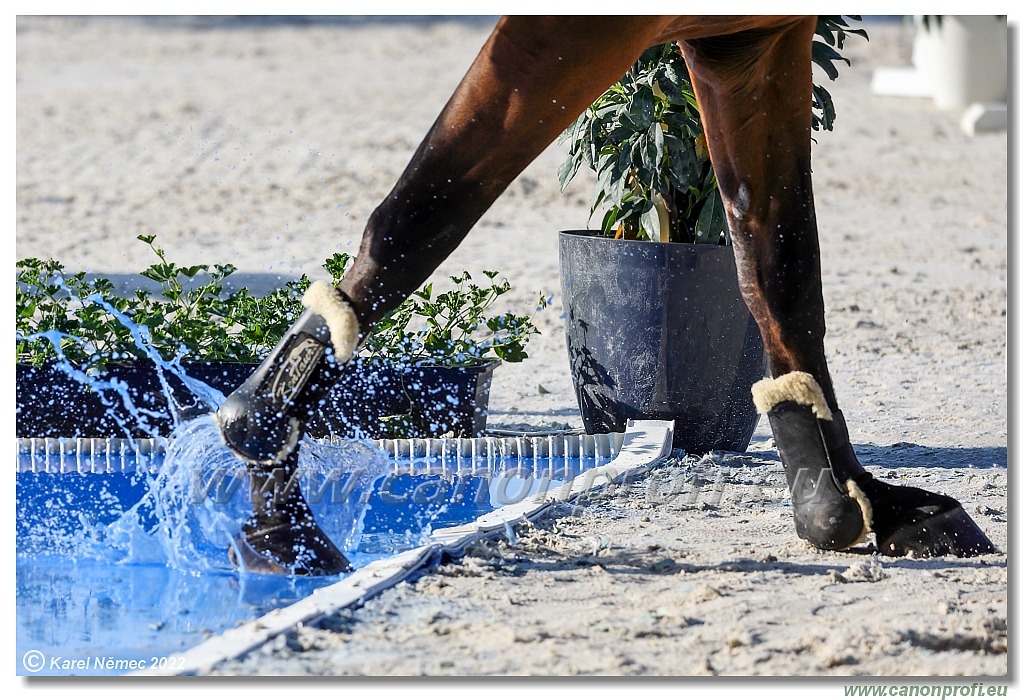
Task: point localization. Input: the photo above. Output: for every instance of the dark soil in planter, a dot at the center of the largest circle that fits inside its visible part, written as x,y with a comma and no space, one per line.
373,399
660,331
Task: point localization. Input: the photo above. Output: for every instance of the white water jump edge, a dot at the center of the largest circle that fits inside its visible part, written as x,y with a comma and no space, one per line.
644,444
94,455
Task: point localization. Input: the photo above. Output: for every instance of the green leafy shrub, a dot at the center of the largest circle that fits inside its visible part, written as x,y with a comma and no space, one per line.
194,318
451,325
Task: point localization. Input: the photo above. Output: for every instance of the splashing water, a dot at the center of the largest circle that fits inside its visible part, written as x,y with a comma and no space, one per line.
197,500
124,565
173,523
127,563
200,496
186,510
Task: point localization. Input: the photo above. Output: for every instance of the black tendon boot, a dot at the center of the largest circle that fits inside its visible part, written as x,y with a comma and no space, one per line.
262,422
836,502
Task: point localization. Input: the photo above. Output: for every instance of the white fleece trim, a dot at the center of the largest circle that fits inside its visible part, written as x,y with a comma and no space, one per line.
854,491
799,387
324,300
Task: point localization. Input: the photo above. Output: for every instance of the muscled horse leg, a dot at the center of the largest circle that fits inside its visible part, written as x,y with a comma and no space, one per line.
754,91
530,80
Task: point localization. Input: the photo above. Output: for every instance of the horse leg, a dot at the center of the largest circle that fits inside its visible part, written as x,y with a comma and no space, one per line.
262,422
754,91
530,80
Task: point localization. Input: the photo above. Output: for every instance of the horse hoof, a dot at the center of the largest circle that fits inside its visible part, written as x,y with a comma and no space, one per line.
244,557
949,533
288,551
911,521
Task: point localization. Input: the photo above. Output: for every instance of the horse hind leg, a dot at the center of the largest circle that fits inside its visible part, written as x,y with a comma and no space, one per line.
754,90
836,502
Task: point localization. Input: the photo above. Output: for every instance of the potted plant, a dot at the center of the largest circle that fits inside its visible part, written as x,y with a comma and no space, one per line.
94,363
655,324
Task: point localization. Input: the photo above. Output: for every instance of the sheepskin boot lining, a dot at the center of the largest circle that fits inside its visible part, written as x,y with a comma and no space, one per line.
325,301
798,387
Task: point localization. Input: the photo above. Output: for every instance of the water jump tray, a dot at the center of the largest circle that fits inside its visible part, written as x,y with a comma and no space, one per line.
106,455
503,480
644,445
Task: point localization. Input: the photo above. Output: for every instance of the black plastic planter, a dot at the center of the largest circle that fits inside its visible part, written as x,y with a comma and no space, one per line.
50,403
660,331
380,399
372,400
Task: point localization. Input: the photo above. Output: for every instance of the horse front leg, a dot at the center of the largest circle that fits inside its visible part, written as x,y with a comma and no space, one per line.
754,91
530,80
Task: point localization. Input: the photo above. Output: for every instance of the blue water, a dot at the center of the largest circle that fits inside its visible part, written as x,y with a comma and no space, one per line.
118,571
131,566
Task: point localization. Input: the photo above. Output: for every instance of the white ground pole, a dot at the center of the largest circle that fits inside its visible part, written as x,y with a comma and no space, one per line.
644,444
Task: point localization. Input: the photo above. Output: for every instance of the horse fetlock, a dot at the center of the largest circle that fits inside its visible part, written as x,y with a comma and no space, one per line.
829,512
282,536
263,420
836,502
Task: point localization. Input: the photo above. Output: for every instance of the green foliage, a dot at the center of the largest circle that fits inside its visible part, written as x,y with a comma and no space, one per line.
644,140
194,318
454,326
833,31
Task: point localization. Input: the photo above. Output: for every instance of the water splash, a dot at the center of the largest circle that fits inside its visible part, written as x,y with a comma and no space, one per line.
172,523
196,501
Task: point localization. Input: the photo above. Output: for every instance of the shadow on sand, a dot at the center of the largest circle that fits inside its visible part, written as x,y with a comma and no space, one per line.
909,455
